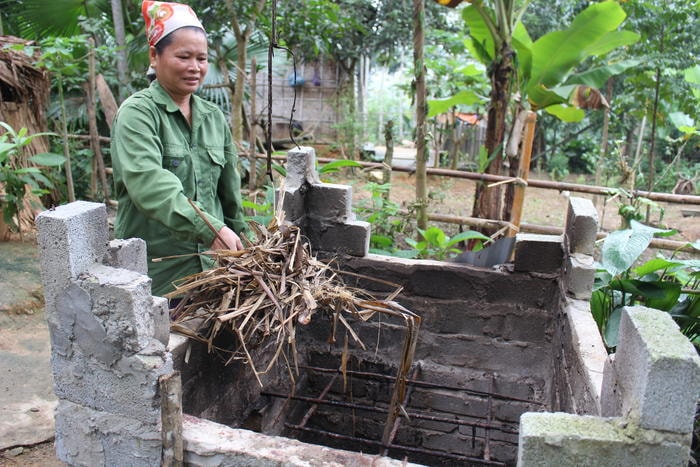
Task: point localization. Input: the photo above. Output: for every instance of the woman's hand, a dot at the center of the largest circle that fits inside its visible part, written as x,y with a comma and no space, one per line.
227,240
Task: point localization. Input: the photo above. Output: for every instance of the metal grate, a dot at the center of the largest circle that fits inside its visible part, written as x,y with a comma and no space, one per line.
485,424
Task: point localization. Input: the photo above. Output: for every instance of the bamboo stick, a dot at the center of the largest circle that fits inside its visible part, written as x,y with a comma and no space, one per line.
547,184
523,171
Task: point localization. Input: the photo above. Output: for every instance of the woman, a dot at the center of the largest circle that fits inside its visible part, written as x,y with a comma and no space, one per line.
170,148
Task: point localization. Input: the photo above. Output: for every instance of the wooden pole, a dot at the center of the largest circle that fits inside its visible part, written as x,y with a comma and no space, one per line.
523,171
547,184
658,243
171,419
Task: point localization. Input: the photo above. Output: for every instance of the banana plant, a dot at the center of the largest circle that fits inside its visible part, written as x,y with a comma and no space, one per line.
544,73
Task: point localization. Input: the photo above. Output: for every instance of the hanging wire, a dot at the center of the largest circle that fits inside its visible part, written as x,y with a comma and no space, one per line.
270,53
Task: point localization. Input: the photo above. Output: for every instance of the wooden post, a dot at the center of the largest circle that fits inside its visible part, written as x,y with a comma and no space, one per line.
171,419
523,171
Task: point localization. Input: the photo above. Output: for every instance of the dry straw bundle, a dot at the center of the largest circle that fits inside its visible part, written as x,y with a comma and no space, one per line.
260,294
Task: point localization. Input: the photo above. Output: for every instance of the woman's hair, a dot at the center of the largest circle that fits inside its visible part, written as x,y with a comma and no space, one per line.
162,44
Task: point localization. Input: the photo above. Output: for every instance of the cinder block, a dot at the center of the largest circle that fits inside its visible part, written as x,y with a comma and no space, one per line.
581,225
330,202
301,168
208,443
610,399
538,253
293,205
580,273
129,388
71,238
127,254
657,371
556,439
351,238
161,320
587,357
86,437
122,306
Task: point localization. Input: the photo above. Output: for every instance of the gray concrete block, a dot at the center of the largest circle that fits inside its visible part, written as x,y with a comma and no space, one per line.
610,398
657,371
581,225
208,443
86,437
161,320
330,202
557,439
127,254
301,168
586,357
580,273
122,305
129,388
71,238
538,253
293,205
351,238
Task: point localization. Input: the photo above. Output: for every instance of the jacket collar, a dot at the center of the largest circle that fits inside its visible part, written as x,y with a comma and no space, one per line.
161,97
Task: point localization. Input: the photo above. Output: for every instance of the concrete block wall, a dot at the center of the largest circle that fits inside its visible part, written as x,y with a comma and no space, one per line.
648,394
482,329
108,344
581,229
322,210
108,338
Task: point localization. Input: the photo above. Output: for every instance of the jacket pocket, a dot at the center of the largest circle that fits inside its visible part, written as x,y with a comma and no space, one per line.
175,159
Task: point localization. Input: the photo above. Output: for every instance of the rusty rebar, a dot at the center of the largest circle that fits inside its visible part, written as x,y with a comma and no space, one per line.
369,408
426,384
400,447
322,396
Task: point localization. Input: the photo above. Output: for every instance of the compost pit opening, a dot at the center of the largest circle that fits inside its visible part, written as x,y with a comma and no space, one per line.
343,400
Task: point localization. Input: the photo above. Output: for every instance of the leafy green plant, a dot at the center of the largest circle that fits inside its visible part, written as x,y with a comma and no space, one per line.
16,173
261,212
632,207
385,217
436,244
335,166
671,285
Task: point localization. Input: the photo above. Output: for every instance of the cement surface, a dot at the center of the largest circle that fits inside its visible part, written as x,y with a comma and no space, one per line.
26,390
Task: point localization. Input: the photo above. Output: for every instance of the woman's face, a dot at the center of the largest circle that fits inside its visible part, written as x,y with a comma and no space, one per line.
182,64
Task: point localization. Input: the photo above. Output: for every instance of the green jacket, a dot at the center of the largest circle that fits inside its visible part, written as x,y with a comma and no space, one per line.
159,163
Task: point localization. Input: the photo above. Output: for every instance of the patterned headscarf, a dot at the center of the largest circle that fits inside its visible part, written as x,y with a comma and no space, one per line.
162,18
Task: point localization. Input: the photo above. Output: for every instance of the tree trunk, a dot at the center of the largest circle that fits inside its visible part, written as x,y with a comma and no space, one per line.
604,139
238,89
92,122
421,112
252,136
652,137
388,155
120,36
488,201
